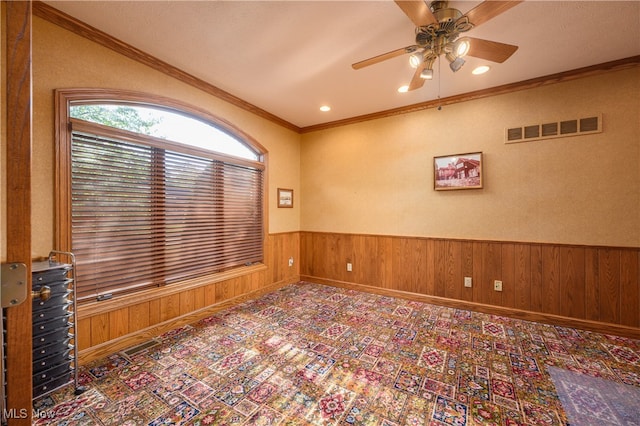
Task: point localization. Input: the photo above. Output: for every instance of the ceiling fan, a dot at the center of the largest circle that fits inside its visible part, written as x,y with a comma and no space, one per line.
438,29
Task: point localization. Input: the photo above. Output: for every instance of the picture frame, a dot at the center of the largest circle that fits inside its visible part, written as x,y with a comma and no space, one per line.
285,198
459,171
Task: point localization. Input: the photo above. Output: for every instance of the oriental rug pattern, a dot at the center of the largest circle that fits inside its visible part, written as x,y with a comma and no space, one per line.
310,354
593,401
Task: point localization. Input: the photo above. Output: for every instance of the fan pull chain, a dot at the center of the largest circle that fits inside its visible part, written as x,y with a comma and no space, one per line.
439,74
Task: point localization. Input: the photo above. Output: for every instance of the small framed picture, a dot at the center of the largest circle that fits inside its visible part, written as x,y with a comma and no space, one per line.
285,198
461,171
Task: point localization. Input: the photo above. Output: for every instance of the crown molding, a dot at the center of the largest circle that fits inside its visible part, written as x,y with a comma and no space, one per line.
61,19
589,71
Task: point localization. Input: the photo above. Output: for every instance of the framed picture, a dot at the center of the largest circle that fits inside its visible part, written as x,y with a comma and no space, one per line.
285,198
461,171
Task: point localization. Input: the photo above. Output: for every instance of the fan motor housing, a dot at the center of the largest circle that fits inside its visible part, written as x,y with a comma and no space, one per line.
447,15
443,13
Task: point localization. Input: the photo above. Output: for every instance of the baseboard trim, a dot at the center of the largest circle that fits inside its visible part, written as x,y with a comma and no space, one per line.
112,346
599,327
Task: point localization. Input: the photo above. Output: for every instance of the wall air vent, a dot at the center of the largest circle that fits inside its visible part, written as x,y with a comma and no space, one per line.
549,129
141,347
568,127
532,132
555,129
514,134
590,124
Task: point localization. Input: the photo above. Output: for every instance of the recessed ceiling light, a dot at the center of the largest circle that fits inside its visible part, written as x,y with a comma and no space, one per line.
480,70
325,108
403,89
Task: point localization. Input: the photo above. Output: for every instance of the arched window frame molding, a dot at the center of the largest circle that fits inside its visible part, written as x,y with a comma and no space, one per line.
64,99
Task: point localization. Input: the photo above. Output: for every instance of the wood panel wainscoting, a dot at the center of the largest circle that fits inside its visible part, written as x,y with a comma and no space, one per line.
109,326
593,288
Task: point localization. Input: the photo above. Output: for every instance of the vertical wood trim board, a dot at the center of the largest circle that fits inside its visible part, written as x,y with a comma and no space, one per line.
18,134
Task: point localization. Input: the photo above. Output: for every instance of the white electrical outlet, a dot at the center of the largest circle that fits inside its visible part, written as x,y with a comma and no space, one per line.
349,267
291,261
467,281
497,285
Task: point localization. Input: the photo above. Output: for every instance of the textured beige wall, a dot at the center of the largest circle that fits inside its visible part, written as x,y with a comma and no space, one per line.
376,177
62,59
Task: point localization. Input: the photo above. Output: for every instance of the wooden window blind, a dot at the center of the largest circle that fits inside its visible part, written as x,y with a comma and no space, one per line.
144,215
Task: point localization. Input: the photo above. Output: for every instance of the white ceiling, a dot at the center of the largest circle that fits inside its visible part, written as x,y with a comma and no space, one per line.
291,57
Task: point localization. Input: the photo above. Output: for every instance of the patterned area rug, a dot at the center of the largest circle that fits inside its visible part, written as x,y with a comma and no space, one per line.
592,401
316,355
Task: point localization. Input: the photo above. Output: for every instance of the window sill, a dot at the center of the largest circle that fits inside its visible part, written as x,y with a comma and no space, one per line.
88,309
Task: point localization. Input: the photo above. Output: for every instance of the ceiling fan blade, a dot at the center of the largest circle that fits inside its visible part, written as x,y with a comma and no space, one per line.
384,57
489,9
490,50
417,11
417,81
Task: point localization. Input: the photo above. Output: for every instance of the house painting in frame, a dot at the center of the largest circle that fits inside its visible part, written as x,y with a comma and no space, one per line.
461,171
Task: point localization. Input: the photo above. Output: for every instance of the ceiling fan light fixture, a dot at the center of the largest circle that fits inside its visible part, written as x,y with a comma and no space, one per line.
415,59
455,63
437,32
427,74
462,46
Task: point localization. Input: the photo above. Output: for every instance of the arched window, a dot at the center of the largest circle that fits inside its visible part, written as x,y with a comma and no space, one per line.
163,123
158,192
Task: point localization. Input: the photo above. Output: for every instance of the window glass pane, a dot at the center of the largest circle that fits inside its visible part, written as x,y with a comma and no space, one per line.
165,124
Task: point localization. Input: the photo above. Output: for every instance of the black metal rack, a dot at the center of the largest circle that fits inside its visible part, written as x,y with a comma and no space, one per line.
55,350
